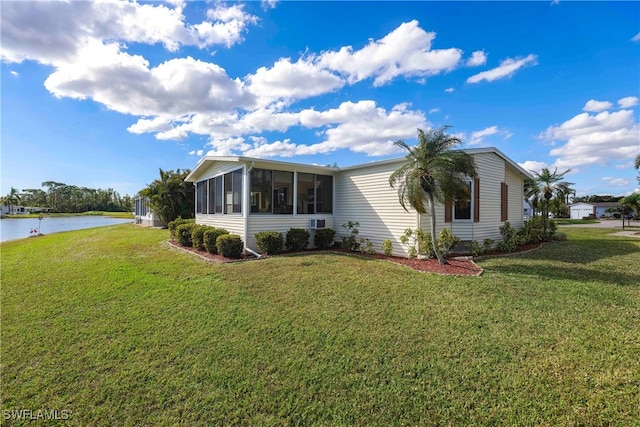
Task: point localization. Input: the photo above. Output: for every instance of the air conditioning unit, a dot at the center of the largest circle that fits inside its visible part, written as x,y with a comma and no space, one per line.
317,223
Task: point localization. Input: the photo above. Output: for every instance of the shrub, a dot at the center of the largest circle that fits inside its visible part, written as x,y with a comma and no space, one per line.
197,236
297,239
183,234
324,238
510,240
387,247
534,231
351,241
447,241
230,245
366,246
487,244
211,236
559,237
474,248
270,242
617,215
425,246
173,225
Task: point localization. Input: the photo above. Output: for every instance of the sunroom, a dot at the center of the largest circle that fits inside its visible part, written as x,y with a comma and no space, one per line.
246,195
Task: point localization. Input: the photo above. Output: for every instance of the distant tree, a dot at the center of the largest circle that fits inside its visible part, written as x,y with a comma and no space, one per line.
170,196
432,172
637,166
548,184
12,199
632,202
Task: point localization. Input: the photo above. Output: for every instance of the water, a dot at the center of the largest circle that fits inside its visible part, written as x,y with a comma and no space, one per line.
12,228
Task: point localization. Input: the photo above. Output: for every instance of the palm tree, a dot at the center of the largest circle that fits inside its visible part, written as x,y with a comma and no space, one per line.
170,196
433,173
637,166
11,199
547,184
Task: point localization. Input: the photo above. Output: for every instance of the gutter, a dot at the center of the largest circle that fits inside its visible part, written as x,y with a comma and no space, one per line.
252,252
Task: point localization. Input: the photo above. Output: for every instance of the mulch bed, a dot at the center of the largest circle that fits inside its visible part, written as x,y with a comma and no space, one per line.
458,264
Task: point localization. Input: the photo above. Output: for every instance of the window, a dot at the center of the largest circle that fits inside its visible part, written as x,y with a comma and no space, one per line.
201,196
315,193
462,206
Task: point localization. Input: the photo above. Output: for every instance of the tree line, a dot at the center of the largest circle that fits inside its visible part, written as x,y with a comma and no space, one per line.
61,197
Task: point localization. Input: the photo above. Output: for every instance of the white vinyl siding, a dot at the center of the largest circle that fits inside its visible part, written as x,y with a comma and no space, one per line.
364,195
516,195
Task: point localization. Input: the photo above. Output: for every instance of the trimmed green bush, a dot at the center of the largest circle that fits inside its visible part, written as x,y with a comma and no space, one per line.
387,247
230,245
211,236
173,225
510,239
297,239
197,236
351,241
324,238
447,241
270,242
183,234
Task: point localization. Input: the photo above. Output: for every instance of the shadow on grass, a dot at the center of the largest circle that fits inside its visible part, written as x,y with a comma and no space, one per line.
583,274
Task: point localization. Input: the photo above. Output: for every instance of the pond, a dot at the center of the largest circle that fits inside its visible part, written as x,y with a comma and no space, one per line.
19,228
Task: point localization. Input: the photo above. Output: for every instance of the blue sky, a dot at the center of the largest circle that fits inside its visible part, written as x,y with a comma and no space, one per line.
103,94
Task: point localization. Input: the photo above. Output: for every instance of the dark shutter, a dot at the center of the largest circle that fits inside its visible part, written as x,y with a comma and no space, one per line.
504,201
448,207
476,200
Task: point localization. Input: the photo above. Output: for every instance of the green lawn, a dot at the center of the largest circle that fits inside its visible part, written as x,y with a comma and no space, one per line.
116,327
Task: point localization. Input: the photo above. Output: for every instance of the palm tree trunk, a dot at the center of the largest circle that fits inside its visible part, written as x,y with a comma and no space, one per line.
434,238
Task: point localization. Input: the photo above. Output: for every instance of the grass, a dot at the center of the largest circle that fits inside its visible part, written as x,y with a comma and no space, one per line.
125,330
567,221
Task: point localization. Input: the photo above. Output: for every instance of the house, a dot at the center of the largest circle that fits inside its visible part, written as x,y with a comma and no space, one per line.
247,195
144,215
594,210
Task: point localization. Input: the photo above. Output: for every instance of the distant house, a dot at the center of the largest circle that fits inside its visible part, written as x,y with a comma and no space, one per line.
247,195
595,210
19,210
144,215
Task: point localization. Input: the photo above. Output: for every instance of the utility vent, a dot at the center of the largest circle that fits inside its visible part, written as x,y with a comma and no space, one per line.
317,223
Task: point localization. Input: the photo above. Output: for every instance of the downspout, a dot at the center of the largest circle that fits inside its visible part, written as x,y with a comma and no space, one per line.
247,209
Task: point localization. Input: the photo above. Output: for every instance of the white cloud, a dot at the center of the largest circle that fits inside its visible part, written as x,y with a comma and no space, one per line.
628,102
506,69
29,32
477,58
289,81
618,182
477,137
449,90
636,38
14,73
196,153
596,106
533,165
406,51
595,139
434,110
269,4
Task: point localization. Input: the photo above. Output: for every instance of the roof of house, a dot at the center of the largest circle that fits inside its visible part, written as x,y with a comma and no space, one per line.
597,204
206,161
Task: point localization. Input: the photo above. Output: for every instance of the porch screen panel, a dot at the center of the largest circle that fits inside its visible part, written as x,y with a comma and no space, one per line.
306,193
282,192
219,194
261,186
324,194
237,190
212,196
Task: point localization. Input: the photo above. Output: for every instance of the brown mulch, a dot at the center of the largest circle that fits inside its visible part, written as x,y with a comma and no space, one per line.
458,264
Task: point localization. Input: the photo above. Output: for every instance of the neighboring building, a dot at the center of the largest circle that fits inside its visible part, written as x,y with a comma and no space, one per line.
19,210
527,209
594,210
144,215
247,195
